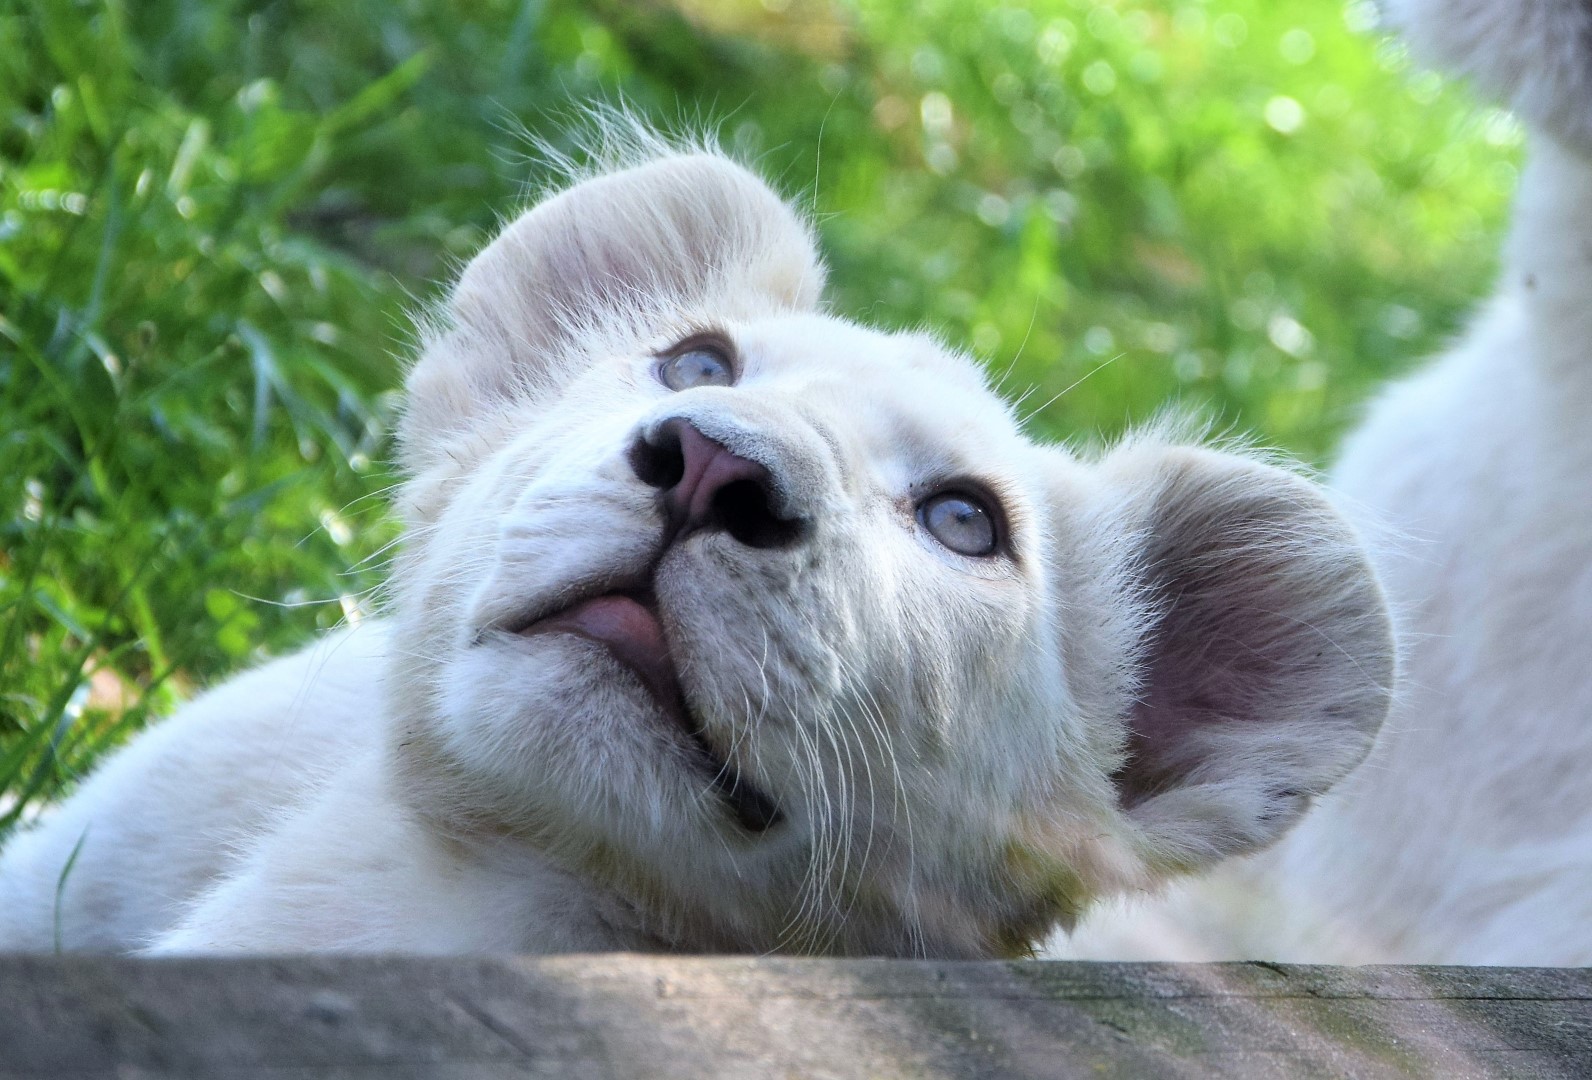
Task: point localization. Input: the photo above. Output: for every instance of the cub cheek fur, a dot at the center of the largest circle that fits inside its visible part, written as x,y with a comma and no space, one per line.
1231,657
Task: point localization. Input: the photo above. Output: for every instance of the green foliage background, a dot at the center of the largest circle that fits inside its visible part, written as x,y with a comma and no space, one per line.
215,213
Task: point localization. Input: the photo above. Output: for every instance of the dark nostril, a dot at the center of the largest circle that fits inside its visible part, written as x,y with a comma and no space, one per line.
743,510
658,462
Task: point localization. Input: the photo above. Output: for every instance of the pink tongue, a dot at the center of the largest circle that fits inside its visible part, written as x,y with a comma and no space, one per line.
630,630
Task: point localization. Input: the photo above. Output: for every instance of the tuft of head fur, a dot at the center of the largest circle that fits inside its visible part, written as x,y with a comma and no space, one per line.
1172,650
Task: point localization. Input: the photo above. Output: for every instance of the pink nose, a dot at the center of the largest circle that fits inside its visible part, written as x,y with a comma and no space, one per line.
707,468
704,486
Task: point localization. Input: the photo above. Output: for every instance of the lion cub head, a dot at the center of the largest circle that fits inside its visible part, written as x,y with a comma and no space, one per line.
779,632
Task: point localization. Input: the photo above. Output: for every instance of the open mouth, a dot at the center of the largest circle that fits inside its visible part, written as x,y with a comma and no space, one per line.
627,624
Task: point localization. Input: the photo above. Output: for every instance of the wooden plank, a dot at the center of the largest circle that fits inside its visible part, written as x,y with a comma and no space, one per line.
707,1017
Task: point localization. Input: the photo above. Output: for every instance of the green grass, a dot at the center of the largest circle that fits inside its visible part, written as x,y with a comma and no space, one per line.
214,215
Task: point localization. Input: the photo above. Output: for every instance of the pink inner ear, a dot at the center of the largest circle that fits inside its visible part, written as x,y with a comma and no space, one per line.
1209,663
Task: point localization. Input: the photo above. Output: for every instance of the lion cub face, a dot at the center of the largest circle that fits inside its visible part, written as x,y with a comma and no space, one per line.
778,631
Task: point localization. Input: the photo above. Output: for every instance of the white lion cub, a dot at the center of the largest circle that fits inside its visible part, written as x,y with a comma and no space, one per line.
726,624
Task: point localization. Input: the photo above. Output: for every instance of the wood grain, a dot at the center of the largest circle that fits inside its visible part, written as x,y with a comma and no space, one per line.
707,1017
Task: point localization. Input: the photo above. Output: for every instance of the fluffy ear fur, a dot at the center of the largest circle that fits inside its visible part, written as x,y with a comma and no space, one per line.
610,261
1535,55
1264,659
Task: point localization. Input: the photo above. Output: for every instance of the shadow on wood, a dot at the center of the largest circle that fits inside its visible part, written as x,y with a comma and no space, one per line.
669,1017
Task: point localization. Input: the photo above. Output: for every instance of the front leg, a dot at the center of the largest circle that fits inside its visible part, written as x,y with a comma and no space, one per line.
355,870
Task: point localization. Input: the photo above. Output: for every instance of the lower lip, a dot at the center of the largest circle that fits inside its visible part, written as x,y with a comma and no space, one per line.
631,632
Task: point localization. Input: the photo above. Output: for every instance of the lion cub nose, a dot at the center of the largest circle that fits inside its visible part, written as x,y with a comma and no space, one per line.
706,486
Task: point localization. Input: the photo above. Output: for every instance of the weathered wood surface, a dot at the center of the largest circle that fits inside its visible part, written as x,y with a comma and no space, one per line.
633,1016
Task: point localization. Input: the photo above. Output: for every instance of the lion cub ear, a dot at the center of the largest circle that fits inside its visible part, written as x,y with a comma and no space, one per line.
614,257
1263,657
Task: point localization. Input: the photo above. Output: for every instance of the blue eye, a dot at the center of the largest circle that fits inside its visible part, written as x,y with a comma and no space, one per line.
960,521
697,363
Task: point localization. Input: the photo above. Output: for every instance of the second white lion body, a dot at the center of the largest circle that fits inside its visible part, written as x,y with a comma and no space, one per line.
1466,838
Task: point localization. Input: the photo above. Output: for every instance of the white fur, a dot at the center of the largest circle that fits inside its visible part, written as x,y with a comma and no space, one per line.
1180,648
1467,836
